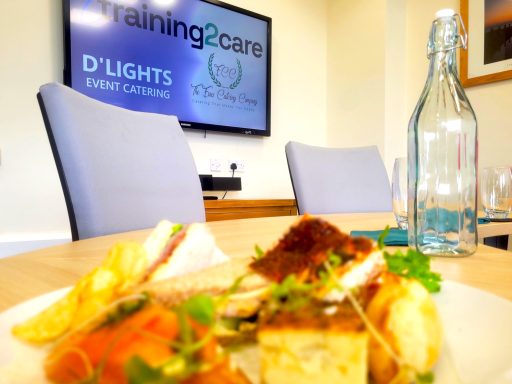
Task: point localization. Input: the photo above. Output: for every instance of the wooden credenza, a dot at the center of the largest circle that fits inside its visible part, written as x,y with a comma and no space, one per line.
243,209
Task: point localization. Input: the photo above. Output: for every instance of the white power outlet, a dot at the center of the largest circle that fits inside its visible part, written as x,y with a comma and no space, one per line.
240,165
215,165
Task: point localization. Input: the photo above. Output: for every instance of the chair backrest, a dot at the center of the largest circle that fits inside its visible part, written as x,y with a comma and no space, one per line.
120,170
338,180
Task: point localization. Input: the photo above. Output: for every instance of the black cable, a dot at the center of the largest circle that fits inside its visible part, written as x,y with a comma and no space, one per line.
233,167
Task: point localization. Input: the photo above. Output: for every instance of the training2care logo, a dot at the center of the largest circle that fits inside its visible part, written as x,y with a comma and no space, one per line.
225,73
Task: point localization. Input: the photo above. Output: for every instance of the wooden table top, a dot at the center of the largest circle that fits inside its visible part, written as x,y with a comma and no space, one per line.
30,274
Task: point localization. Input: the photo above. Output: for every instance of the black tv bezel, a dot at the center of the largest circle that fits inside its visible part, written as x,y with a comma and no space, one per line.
191,124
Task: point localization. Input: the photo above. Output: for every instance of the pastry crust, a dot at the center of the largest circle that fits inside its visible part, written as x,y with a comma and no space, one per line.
214,280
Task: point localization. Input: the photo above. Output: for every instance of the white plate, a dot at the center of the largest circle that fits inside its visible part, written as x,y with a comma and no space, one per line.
477,325
20,363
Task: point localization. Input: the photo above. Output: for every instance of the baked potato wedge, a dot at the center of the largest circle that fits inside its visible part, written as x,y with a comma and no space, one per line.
405,315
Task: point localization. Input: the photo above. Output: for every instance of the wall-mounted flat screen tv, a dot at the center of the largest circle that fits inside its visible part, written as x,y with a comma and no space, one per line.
205,61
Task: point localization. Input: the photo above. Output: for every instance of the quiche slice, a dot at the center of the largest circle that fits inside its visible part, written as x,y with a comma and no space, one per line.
318,344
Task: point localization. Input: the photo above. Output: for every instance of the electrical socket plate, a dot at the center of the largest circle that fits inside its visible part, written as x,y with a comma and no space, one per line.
215,165
240,165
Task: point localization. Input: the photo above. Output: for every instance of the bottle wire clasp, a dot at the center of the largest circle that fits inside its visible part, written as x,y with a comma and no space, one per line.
461,38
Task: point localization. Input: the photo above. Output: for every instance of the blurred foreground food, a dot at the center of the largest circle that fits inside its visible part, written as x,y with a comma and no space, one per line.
148,343
170,250
322,306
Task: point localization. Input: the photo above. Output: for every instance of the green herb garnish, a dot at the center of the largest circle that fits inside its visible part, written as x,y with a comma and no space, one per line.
183,363
259,252
415,265
201,309
290,294
382,236
125,309
288,287
138,371
425,378
326,275
176,228
335,260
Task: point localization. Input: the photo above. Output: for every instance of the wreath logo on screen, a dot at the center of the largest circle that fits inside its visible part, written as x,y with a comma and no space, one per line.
234,84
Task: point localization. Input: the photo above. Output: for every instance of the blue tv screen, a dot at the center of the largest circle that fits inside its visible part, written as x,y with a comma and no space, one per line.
204,61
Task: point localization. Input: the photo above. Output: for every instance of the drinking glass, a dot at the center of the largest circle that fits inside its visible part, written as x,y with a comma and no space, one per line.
399,191
496,189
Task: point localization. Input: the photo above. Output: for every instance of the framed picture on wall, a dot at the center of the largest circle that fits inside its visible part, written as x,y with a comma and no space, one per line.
489,54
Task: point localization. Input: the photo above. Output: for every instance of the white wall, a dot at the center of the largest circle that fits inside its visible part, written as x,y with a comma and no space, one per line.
396,112
31,200
356,73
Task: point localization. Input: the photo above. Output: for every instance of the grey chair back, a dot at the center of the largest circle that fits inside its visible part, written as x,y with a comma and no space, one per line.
338,180
120,170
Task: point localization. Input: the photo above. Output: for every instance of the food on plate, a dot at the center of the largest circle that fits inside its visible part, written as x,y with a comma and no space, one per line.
143,342
405,315
332,268
328,270
302,251
322,306
306,246
319,343
170,250
215,280
175,249
124,262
